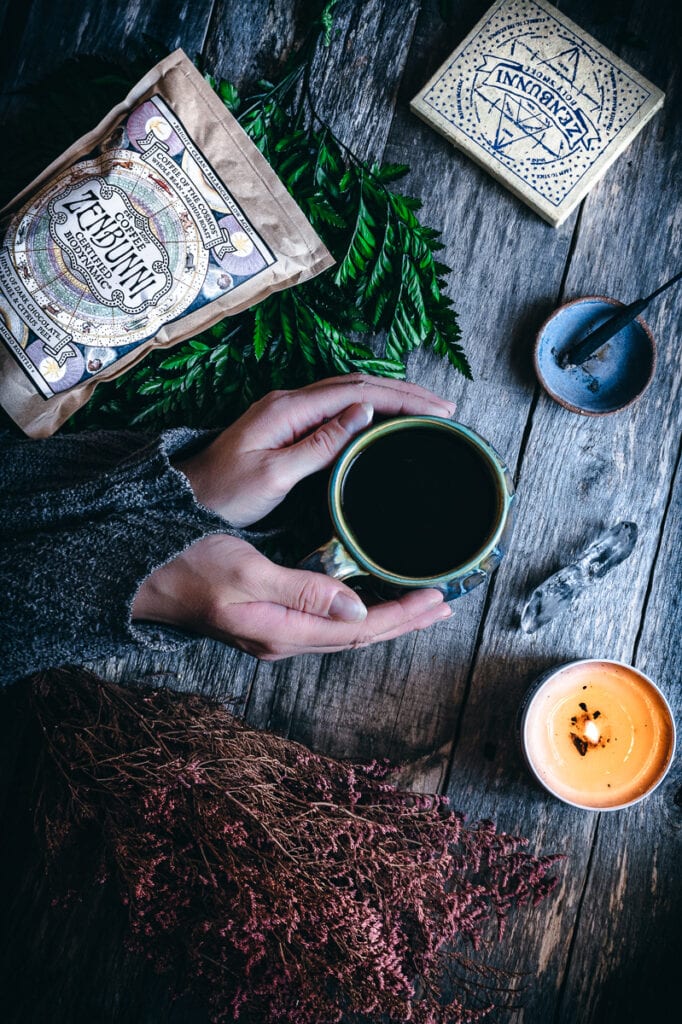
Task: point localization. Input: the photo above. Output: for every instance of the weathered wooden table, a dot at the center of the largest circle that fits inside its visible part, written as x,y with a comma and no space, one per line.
606,947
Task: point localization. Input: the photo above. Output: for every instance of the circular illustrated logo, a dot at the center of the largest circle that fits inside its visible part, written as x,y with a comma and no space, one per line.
537,102
109,251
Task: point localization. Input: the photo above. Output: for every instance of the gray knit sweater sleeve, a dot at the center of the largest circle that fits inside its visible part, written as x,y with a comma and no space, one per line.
84,519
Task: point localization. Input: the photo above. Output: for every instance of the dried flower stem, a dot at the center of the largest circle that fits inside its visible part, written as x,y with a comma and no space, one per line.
284,886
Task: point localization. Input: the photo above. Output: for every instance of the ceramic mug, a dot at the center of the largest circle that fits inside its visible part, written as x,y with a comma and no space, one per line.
343,557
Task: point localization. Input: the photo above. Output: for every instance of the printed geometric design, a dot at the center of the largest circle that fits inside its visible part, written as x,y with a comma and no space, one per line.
540,104
133,236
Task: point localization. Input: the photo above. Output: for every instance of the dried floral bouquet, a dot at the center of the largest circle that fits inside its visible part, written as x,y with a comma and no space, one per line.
276,884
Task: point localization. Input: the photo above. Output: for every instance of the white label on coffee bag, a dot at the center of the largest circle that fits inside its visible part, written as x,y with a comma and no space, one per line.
109,245
134,236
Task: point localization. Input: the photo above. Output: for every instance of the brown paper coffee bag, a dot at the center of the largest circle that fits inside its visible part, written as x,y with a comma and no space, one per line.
153,226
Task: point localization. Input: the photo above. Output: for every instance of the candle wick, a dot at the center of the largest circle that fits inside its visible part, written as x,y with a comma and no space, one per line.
586,732
592,734
579,744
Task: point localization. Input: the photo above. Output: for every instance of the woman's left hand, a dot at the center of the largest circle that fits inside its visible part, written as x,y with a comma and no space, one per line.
251,467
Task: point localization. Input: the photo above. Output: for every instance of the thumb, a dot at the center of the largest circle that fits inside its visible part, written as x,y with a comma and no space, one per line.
321,447
310,592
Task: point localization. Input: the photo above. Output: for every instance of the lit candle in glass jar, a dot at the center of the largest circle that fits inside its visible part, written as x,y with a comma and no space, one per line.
597,734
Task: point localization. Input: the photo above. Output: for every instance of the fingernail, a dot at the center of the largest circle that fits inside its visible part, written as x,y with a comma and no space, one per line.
444,613
347,608
356,417
434,599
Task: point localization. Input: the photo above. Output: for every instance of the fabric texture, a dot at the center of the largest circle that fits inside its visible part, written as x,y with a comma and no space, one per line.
84,519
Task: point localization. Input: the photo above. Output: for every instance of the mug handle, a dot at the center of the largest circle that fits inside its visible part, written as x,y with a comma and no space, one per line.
333,560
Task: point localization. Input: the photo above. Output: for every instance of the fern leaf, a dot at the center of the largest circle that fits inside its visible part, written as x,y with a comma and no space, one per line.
261,331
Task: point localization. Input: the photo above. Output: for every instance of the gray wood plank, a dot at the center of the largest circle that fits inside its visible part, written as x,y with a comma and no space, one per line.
633,898
355,81
270,32
368,86
245,46
410,698
40,35
202,667
578,476
622,960
494,245
401,700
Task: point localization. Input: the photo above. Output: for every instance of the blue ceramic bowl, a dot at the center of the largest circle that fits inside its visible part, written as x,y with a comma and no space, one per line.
609,380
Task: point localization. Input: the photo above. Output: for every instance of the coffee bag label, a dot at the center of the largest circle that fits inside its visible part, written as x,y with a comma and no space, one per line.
109,245
135,235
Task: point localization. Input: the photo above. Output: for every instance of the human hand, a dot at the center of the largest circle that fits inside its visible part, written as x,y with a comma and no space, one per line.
222,587
248,470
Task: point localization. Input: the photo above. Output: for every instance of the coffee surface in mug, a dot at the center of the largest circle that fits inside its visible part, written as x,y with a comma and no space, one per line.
420,501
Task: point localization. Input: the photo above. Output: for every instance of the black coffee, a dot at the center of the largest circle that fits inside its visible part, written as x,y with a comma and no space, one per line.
419,501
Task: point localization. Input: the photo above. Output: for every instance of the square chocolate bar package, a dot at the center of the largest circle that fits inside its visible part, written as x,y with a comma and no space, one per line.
153,226
538,103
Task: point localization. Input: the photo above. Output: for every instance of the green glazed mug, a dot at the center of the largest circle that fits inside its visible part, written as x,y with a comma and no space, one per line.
346,555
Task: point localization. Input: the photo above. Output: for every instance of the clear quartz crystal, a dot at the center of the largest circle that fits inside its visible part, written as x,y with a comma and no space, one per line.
559,591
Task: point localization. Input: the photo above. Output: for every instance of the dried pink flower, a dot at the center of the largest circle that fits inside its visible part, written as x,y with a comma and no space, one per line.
283,885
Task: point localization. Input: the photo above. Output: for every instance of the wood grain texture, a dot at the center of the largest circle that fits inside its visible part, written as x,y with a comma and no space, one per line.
445,702
355,81
633,898
271,694
402,700
492,242
38,36
245,46
340,704
578,476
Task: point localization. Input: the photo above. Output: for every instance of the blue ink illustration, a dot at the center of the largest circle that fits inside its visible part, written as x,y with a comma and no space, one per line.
538,99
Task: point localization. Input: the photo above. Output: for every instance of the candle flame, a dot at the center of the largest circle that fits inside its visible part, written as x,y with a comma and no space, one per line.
591,732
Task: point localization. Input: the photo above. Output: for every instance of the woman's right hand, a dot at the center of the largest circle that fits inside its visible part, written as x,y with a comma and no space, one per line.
223,587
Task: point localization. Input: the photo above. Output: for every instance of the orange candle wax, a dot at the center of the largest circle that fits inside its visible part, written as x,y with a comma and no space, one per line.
598,734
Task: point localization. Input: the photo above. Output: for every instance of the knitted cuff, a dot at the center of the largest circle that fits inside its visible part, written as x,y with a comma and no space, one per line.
162,538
